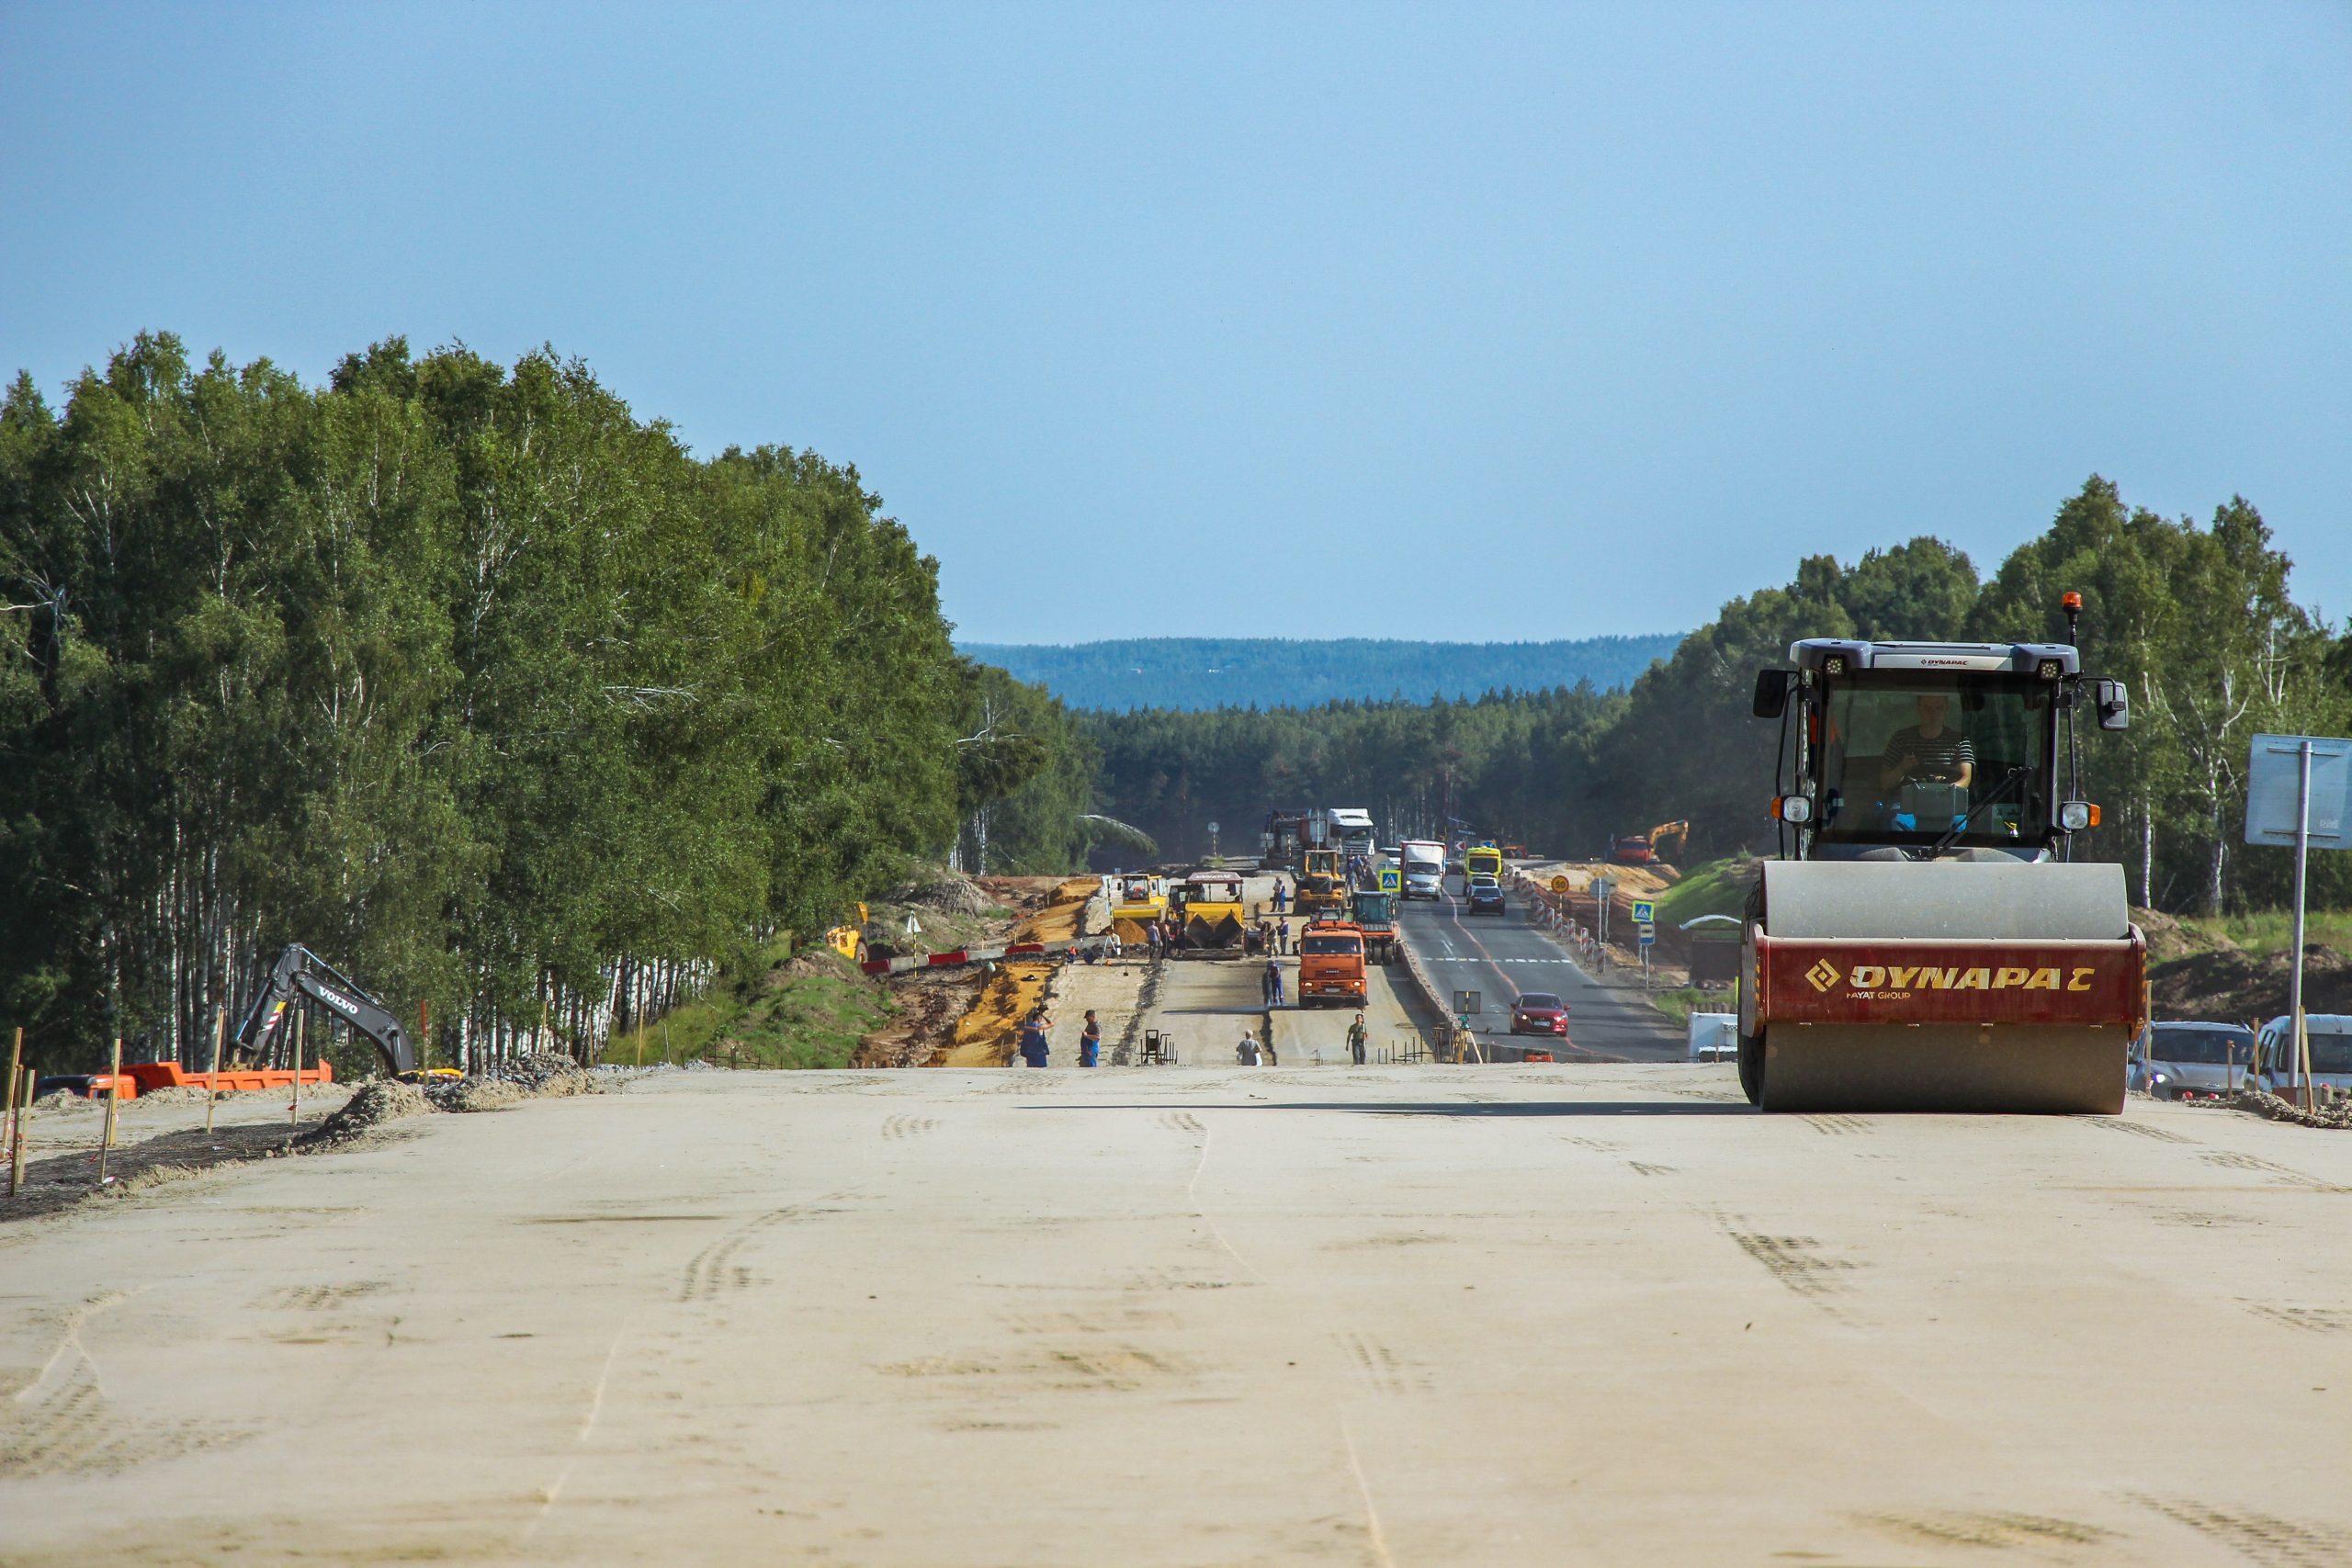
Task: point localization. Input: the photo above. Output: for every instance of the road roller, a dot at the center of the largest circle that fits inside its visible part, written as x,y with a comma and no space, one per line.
1924,942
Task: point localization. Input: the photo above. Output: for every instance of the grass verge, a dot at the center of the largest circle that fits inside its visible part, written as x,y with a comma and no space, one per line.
773,1011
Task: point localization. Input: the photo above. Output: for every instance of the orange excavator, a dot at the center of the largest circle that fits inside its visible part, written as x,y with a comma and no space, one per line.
1664,843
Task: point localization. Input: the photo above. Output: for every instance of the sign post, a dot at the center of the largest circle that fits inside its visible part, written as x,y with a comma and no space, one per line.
2298,790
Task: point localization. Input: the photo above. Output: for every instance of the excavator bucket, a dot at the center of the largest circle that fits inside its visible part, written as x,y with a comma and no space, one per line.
1941,986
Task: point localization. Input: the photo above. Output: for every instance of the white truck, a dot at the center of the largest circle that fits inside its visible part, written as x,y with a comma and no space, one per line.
1357,840
1422,861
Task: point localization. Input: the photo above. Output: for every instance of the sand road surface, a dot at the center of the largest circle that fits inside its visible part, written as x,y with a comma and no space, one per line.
1571,1315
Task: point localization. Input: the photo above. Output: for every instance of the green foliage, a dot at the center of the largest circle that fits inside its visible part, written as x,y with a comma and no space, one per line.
1214,672
1024,778
1510,763
460,674
1717,887
770,1010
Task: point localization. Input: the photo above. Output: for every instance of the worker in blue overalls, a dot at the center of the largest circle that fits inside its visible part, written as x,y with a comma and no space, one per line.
1034,1046
1090,1043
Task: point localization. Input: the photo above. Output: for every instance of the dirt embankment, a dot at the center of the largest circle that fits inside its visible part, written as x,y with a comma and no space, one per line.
1053,909
971,1017
931,1002
2230,984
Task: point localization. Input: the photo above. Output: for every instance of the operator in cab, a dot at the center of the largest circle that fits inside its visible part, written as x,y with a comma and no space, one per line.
1929,751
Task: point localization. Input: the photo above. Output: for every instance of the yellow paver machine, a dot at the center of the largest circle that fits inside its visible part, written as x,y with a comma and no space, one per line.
1923,944
1209,913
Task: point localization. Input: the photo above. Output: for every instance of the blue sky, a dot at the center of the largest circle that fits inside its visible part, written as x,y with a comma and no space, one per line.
1454,322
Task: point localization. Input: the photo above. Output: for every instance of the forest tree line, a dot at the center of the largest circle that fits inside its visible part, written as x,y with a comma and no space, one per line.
1213,673
2196,618
464,677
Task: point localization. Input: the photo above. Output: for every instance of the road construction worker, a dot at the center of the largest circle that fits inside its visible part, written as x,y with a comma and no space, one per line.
1089,1043
1357,1036
1249,1052
1282,896
1274,983
1035,1048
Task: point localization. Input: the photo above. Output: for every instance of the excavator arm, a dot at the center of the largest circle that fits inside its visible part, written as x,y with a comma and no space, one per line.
300,972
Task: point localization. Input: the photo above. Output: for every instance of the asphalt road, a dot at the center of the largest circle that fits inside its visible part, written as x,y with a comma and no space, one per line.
1499,957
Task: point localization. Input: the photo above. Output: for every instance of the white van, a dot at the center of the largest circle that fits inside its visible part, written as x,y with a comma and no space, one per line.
1423,863
2331,1037
1714,1037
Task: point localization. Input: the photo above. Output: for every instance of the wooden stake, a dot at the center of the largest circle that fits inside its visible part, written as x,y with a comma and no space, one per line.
212,1081
294,1106
15,1058
16,1160
114,1100
2303,1054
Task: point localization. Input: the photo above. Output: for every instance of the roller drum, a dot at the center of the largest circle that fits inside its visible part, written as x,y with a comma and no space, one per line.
1965,987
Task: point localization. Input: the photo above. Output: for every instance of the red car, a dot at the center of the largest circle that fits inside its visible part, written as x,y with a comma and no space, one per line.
1539,1012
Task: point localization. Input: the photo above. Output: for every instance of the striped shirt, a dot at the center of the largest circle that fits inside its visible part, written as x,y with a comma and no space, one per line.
1936,758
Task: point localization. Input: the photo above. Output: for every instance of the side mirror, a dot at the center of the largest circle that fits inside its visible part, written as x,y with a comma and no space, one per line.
2113,701
1772,693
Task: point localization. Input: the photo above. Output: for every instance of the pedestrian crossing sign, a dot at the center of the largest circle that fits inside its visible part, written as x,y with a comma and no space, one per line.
1644,911
1391,879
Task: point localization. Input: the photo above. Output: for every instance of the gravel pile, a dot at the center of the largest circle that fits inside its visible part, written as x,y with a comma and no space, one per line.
950,892
2264,1103
385,1099
545,1076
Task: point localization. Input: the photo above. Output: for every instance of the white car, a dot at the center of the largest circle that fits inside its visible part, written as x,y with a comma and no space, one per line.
1714,1037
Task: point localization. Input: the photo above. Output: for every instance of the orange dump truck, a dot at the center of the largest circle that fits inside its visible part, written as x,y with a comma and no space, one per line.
1331,965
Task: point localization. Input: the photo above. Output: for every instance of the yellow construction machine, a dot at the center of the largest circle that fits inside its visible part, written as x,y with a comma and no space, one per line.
1322,885
1141,898
865,939
1208,912
1925,942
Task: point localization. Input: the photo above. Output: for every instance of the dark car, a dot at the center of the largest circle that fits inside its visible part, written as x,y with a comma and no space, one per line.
2192,1061
1539,1012
1486,896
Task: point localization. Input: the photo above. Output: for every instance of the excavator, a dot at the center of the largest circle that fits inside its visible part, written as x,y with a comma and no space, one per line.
1662,845
1925,940
298,972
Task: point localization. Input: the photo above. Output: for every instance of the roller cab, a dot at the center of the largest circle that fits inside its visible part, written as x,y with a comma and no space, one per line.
1920,946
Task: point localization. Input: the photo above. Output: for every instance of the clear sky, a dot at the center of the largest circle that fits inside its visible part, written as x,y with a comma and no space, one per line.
1444,320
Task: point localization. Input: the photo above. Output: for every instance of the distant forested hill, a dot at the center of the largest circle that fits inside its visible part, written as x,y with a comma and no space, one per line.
1207,673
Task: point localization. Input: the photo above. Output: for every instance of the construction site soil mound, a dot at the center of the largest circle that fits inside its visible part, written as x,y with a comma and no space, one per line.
2336,1115
541,1075
371,1106
931,1003
2231,985
950,892
175,1094
815,959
